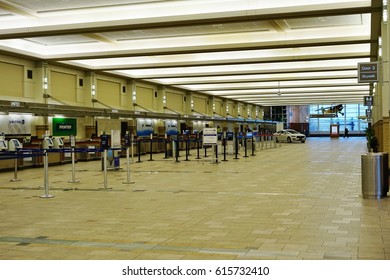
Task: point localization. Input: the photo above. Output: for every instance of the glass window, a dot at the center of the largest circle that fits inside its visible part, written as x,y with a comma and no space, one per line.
348,118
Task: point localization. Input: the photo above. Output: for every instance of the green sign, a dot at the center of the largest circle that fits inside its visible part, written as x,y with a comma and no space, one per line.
64,127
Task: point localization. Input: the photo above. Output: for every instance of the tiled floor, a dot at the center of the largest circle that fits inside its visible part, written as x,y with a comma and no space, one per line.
298,201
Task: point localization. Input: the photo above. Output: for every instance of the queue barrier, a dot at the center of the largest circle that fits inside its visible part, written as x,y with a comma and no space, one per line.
172,147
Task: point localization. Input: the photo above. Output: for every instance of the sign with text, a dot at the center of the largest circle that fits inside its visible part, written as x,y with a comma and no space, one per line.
15,124
210,136
171,127
145,127
64,126
368,72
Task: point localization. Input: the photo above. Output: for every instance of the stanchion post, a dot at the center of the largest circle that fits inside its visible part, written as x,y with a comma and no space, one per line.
165,146
245,146
46,175
187,148
253,146
15,179
236,146
224,143
175,143
132,147
105,169
197,146
128,167
73,180
151,148
139,149
216,153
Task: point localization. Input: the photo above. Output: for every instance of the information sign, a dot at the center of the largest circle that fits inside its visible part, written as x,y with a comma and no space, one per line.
368,72
210,136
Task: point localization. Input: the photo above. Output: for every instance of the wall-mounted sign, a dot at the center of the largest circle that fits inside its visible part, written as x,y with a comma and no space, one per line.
171,127
64,126
145,127
15,124
368,101
368,72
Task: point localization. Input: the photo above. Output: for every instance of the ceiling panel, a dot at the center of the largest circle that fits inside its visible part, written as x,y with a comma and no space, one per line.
306,49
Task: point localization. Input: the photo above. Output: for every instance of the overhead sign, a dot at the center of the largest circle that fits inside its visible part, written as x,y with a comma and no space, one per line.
210,136
368,72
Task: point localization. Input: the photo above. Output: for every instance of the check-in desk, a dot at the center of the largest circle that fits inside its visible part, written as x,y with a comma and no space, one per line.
90,144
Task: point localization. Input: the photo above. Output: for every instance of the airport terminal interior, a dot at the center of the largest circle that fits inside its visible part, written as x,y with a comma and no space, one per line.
196,129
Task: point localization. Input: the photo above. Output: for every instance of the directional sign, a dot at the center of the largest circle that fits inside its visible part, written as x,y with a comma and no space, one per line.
368,72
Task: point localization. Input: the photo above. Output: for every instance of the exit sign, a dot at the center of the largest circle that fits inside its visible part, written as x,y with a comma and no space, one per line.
368,72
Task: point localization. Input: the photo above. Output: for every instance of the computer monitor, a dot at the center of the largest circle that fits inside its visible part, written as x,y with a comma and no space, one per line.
3,145
13,145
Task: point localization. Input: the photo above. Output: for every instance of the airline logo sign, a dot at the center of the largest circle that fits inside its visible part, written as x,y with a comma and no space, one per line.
64,126
368,72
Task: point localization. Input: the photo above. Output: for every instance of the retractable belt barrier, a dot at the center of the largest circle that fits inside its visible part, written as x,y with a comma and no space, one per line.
262,141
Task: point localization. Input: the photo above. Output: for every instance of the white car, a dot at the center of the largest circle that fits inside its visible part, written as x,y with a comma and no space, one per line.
289,135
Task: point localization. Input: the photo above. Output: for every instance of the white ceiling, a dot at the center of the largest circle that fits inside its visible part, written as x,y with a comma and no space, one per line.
262,52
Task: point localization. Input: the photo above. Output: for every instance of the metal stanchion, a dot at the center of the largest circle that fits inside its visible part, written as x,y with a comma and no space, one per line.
245,147
105,169
187,149
139,149
236,146
128,167
165,147
216,153
151,148
15,179
132,147
224,142
176,149
46,175
197,146
73,168
253,146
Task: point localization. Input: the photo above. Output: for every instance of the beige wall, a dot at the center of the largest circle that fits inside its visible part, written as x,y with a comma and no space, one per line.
64,86
11,81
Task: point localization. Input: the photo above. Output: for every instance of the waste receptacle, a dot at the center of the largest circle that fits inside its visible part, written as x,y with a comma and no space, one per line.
375,175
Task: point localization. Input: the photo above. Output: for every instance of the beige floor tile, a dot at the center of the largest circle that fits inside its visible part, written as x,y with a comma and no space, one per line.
262,207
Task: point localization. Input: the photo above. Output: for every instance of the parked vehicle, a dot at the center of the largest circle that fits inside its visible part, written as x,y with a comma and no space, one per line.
289,135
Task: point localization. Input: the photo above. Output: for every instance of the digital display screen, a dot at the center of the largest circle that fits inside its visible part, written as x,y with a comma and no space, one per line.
16,143
3,145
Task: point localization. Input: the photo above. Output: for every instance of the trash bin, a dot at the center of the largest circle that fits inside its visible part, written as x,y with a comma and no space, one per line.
375,175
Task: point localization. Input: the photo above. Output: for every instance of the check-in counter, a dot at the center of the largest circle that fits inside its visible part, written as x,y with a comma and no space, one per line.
88,145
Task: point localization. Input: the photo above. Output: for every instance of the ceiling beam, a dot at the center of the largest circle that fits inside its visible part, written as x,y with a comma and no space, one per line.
99,27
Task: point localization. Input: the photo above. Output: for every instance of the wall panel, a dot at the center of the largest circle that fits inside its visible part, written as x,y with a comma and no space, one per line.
11,80
64,86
